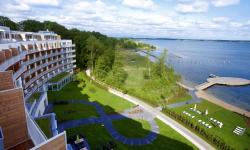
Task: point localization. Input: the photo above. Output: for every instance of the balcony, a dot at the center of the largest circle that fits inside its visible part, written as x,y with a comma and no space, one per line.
42,74
12,61
36,134
42,66
45,57
20,71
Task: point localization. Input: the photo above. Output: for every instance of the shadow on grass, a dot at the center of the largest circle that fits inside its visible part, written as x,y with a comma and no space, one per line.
98,136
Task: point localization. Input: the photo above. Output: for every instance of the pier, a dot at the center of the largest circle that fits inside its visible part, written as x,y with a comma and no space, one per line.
229,81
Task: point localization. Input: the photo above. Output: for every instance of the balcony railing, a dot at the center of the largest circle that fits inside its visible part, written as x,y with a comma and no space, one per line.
34,89
42,74
36,134
9,62
41,98
20,71
45,57
42,66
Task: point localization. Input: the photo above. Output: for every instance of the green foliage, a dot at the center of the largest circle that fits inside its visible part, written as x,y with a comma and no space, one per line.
4,21
31,25
118,75
93,49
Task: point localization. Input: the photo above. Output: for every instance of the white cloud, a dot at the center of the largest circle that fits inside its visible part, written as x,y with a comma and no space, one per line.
199,6
194,7
220,20
141,4
106,17
40,2
236,24
16,7
222,3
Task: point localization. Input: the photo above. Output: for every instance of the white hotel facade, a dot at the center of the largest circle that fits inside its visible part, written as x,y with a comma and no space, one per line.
28,61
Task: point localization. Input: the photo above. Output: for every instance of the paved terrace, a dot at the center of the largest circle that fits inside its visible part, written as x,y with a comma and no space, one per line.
230,81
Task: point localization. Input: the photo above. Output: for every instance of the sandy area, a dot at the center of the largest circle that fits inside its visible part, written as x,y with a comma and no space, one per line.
217,101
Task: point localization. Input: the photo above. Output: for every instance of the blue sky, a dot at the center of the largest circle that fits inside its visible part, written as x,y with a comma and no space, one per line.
196,19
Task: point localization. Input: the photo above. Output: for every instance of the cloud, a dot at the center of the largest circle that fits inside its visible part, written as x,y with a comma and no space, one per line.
109,17
40,2
220,20
200,6
21,7
222,3
194,7
141,4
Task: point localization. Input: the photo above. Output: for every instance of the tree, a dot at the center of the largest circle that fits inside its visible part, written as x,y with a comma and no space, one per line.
31,25
4,21
118,75
94,46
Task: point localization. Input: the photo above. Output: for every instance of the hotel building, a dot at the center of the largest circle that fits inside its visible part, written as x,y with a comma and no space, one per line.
28,62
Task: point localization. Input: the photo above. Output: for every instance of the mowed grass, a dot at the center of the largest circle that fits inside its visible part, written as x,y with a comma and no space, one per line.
135,65
59,77
169,139
66,112
135,128
110,103
229,119
44,124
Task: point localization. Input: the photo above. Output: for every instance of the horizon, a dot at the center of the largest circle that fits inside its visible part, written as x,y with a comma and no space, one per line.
181,19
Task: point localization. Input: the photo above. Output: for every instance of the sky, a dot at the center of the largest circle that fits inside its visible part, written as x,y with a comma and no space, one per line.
192,19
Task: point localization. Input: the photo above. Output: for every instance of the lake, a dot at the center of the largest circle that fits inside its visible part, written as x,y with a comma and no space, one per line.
195,60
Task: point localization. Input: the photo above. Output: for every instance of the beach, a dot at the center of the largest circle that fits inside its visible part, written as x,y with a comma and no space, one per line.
219,102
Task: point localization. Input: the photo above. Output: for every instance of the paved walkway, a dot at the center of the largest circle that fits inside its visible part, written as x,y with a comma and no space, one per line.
197,141
194,100
106,120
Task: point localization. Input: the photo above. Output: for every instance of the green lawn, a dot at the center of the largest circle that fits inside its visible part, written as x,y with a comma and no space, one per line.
65,112
229,119
58,77
33,97
181,98
167,139
44,124
134,128
135,65
110,102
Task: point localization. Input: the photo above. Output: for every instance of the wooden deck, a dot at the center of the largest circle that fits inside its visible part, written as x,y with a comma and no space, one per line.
229,81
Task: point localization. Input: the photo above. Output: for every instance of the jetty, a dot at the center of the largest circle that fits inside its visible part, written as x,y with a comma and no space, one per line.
228,81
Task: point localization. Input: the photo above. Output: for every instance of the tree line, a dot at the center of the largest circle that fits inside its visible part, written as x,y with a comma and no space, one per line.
90,46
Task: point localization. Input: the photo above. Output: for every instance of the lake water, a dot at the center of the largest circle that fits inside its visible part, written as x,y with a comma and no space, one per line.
195,60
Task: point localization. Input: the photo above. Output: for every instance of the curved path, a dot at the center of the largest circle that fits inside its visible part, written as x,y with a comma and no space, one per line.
192,137
106,120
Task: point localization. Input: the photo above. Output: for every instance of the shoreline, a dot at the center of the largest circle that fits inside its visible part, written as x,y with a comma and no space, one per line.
211,98
220,102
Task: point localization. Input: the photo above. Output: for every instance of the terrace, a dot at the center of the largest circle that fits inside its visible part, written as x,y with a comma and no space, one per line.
59,81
